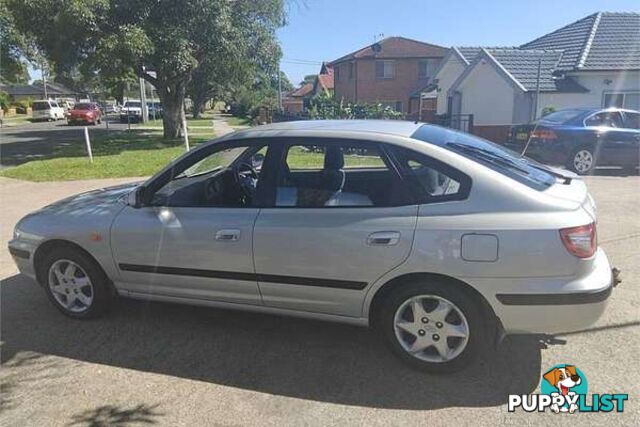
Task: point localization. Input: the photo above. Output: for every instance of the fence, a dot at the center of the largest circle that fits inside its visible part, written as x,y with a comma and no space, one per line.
463,122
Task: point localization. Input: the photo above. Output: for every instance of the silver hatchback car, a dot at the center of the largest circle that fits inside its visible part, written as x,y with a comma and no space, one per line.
440,240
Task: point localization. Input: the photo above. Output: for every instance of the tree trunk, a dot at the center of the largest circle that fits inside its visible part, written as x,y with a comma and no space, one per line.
199,102
172,98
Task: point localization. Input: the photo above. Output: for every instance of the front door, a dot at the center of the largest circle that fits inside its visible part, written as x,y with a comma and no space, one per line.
341,220
194,238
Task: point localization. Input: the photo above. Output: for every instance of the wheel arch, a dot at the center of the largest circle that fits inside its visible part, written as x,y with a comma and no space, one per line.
53,244
405,279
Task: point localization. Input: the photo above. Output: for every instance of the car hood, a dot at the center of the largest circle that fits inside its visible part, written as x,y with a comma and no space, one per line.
93,202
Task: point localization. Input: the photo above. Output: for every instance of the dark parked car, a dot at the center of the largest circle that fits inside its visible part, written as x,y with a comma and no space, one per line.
581,138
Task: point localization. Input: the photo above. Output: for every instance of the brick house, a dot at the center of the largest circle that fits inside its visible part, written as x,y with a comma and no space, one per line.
391,71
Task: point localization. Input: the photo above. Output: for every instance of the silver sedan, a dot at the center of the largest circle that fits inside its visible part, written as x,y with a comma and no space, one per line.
441,241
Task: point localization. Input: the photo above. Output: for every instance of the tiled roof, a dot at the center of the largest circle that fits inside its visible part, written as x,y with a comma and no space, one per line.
396,47
522,65
326,81
37,90
602,41
304,90
468,53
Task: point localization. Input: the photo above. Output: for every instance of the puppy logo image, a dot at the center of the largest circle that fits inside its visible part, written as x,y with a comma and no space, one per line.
565,381
563,389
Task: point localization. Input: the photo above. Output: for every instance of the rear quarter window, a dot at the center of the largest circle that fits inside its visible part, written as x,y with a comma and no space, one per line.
488,154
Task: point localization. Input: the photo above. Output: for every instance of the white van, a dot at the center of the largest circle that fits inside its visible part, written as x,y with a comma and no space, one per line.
46,109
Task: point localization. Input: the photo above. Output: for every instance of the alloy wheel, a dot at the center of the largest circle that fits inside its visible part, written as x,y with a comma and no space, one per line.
431,328
70,285
583,161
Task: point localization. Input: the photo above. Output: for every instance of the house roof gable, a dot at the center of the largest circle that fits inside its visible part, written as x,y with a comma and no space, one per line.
395,47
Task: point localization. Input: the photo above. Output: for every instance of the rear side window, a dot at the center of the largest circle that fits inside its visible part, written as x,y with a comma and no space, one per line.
632,120
493,156
606,119
431,181
338,174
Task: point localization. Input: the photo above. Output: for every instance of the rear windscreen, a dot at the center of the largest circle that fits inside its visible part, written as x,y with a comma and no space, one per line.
39,106
493,156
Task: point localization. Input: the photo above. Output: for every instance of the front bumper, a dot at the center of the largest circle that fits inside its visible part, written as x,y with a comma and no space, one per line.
554,304
22,253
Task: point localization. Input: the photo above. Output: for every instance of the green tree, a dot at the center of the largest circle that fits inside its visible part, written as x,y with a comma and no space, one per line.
13,48
309,78
163,41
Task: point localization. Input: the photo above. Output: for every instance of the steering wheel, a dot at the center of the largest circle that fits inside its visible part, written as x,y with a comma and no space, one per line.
245,176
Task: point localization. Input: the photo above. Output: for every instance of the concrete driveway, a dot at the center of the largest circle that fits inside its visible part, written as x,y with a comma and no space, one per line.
176,365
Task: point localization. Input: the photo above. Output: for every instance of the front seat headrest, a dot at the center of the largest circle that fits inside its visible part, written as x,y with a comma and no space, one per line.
333,159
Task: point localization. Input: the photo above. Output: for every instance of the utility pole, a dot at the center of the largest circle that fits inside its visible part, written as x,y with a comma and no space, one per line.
535,104
143,99
44,80
279,90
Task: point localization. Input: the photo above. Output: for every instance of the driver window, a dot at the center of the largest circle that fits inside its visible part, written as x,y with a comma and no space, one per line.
224,178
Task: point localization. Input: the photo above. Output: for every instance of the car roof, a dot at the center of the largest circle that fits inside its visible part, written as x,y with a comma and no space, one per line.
392,127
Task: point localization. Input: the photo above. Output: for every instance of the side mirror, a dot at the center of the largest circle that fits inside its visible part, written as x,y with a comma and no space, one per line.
257,160
134,199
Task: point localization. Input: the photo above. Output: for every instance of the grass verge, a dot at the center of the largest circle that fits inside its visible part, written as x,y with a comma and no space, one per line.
125,154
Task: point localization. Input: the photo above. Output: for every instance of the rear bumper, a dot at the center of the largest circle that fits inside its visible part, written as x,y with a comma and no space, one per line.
555,304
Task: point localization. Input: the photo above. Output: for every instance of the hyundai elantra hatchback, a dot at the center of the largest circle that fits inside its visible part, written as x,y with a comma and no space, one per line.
439,240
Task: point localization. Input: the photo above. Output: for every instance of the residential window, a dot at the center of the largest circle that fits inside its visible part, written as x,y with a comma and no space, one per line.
630,100
336,72
385,69
350,70
399,106
426,68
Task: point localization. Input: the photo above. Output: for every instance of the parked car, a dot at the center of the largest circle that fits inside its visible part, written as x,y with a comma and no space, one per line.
131,111
155,110
46,109
436,238
85,113
582,138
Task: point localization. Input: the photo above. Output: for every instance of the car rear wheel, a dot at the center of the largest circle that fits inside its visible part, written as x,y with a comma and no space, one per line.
582,160
75,283
435,327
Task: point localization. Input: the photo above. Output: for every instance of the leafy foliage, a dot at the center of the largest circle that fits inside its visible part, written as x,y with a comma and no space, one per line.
327,107
13,46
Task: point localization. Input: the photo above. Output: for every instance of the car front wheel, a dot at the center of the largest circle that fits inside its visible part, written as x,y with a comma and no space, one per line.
435,327
582,160
75,283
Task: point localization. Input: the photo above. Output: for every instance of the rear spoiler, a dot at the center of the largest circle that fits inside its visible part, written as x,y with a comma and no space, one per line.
565,175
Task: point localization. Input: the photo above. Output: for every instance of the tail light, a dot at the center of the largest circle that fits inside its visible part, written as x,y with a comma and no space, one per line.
580,241
546,134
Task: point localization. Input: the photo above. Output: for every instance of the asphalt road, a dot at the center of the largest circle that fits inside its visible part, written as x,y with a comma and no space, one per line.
39,140
151,363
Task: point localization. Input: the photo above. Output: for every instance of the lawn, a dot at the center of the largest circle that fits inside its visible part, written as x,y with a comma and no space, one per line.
234,121
125,154
17,120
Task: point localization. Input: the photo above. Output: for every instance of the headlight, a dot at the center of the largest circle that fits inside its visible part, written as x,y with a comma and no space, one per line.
16,233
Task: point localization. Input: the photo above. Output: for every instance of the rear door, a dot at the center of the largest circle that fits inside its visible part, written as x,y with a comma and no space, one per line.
615,143
340,219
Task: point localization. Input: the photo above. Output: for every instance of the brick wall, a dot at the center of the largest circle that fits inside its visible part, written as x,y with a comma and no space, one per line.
363,86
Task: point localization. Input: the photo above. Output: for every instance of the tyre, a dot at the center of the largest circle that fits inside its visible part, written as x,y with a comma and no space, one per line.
582,160
75,283
435,327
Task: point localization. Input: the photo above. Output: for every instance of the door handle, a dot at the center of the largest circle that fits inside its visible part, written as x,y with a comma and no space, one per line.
228,235
383,238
